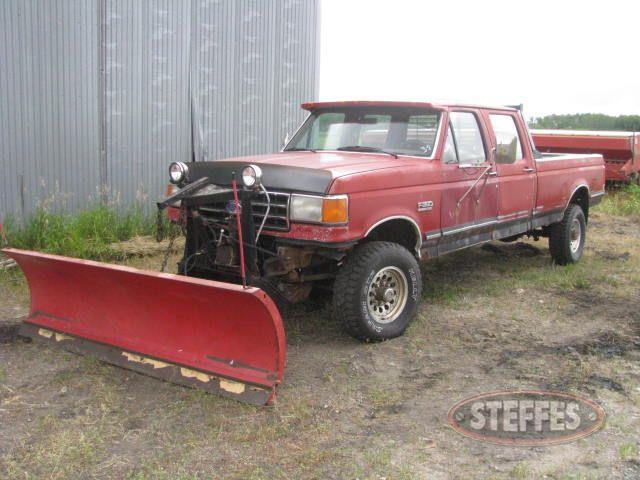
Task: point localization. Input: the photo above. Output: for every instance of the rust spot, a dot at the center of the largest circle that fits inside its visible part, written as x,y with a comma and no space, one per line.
45,333
132,357
203,377
231,386
61,336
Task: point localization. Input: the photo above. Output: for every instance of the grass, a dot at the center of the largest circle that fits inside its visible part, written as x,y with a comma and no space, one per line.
88,234
623,202
628,451
521,471
384,396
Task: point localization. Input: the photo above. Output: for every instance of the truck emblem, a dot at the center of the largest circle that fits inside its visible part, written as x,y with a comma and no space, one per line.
231,206
425,206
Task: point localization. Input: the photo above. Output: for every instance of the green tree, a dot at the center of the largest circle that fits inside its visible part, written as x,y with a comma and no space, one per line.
587,121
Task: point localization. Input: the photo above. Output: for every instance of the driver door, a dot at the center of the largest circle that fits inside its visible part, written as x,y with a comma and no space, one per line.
470,187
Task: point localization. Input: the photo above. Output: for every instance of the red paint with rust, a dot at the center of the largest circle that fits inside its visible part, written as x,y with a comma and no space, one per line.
188,322
380,186
173,214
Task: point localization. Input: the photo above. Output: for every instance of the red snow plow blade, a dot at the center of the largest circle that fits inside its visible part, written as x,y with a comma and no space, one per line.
214,336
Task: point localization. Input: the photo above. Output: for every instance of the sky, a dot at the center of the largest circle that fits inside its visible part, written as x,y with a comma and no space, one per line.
559,56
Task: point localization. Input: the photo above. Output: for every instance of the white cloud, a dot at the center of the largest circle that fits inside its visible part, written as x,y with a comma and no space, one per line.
553,56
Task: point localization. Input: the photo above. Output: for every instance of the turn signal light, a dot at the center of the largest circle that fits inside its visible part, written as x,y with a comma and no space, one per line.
335,210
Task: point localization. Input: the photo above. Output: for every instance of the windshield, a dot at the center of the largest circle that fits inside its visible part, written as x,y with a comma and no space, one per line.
397,131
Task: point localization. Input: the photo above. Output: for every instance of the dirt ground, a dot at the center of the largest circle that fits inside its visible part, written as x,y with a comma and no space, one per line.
494,317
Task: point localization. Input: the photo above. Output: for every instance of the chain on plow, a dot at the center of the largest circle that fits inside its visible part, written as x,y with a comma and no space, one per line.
167,253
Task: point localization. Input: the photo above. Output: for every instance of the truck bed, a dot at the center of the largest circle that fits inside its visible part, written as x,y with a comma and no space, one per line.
559,175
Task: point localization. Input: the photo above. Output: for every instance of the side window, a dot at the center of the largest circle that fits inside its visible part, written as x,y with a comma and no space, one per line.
508,147
468,138
449,154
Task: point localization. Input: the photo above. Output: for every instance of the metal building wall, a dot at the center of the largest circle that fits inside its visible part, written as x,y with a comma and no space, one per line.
145,46
49,122
256,61
105,92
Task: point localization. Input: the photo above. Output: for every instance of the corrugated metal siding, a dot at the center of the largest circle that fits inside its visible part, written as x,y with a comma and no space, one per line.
101,91
254,63
146,121
49,125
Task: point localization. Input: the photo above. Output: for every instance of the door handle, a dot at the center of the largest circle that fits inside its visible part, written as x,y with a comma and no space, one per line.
528,169
493,174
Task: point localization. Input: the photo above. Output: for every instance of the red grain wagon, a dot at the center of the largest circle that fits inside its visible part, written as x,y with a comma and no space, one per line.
621,150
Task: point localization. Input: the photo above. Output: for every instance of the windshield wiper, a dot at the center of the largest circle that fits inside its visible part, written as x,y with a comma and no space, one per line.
363,148
298,149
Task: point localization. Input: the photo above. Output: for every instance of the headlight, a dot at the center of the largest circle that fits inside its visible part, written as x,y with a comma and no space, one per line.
251,176
333,209
178,172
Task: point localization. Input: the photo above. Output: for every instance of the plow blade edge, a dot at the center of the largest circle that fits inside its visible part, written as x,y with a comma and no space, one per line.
215,336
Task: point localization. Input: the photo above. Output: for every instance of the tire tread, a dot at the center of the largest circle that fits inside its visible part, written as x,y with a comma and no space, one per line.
346,287
559,236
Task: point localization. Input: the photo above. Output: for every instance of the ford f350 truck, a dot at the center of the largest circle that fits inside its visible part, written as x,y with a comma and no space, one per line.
365,190
360,194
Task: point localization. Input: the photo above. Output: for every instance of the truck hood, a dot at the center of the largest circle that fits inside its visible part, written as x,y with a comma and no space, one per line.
301,171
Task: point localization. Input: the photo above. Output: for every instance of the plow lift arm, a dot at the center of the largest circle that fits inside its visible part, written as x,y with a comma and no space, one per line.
216,336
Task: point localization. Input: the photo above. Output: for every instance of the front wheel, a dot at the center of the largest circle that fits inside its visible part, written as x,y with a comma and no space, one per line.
377,291
567,237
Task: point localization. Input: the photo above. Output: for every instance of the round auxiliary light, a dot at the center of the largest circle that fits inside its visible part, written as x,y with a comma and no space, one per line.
251,176
178,172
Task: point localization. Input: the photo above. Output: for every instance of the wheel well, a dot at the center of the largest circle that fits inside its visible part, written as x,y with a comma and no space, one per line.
581,197
397,230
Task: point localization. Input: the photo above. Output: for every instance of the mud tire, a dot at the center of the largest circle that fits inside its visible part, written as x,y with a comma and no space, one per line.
350,293
560,236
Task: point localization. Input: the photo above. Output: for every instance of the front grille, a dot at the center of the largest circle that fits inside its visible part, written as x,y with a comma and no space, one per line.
278,218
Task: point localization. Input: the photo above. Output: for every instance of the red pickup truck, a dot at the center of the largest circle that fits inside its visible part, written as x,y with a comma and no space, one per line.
364,190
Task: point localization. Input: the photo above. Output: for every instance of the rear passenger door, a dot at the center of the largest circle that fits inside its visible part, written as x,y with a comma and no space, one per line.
516,174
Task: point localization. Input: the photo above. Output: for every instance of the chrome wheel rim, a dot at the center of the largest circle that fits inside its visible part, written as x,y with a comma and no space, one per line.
576,235
387,294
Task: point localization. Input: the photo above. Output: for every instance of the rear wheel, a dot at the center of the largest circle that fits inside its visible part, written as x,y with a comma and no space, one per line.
377,291
567,237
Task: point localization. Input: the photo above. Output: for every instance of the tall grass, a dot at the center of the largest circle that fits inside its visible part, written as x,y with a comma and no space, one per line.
87,234
624,202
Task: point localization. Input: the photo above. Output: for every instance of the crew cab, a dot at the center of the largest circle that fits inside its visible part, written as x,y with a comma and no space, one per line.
364,190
